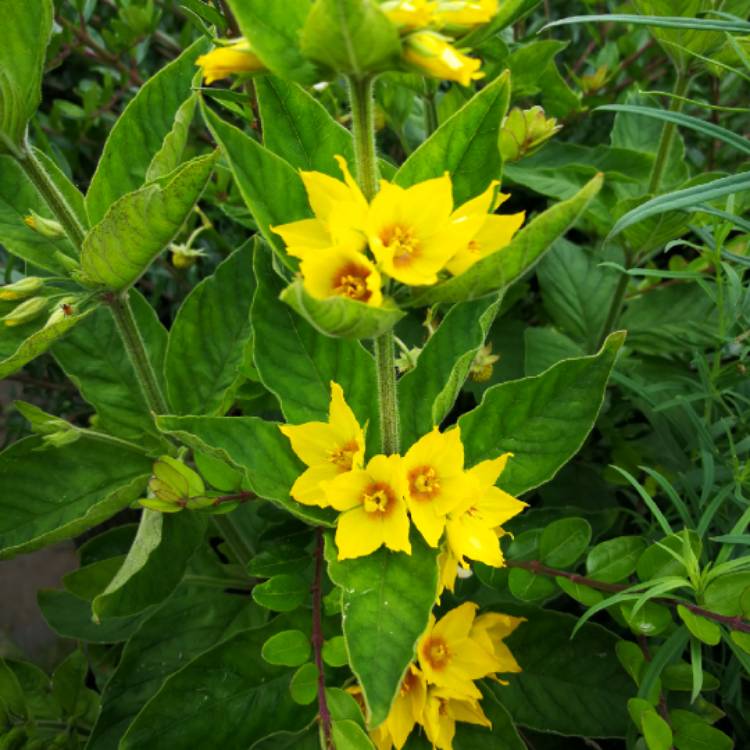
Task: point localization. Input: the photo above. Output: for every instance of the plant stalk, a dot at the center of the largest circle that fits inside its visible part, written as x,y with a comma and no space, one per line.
363,128
317,641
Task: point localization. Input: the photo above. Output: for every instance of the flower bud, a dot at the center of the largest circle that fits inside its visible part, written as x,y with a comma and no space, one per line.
483,365
524,131
46,227
26,311
409,15
173,483
237,57
433,55
68,263
464,14
184,257
21,289
64,309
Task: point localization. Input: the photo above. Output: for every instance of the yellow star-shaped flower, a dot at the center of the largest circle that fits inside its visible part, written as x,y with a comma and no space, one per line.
443,709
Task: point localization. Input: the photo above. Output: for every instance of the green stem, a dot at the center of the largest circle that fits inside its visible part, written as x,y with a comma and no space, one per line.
37,174
668,132
615,308
363,129
119,304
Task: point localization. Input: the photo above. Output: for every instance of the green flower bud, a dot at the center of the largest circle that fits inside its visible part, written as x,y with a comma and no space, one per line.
524,131
64,309
46,227
26,311
21,289
68,263
173,483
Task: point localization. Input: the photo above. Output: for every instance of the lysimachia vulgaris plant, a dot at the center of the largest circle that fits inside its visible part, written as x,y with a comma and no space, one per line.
305,516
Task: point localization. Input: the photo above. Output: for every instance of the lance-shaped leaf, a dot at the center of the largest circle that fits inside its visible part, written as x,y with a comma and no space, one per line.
542,420
154,566
211,332
82,484
273,30
169,156
140,132
387,598
26,32
138,226
271,188
466,145
298,364
353,37
231,680
427,393
501,269
257,448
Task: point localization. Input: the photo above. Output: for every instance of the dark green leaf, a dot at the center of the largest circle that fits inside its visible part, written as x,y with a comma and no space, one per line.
657,562
304,685
563,542
349,734
545,347
289,648
282,593
724,594
692,733
615,559
530,587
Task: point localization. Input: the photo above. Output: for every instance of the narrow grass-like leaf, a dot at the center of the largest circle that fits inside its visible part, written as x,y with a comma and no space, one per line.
664,22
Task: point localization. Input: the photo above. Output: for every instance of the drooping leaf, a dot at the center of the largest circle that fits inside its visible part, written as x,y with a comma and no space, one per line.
427,393
466,145
169,156
139,133
256,447
83,484
139,225
501,269
209,338
543,420
386,602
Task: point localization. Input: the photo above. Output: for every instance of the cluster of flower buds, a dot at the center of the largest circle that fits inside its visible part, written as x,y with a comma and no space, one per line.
524,131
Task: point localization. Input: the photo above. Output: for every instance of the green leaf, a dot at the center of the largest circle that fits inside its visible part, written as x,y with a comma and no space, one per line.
466,145
658,562
154,565
530,587
94,358
724,595
139,225
18,197
82,484
139,133
353,37
650,620
343,705
297,364
299,128
428,392
282,593
545,347
20,344
169,156
281,558
587,596
349,734
68,683
615,559
563,542
230,680
501,269
253,445
271,188
26,33
91,579
289,648
73,196
334,652
190,622
692,733
387,600
340,316
662,22
573,687
273,30
656,731
704,630
210,337
11,692
304,685
543,420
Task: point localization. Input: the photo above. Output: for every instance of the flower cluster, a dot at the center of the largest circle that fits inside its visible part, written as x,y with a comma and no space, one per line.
413,235
439,689
429,27
377,499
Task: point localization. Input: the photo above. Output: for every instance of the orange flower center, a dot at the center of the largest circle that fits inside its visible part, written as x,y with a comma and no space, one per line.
400,240
424,483
436,652
351,282
408,684
343,456
378,498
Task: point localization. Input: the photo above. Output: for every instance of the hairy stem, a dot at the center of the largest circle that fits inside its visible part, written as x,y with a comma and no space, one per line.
317,640
37,174
363,128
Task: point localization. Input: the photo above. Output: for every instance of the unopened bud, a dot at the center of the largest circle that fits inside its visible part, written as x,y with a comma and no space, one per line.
68,263
524,131
174,483
46,227
483,365
26,311
65,308
21,289
184,257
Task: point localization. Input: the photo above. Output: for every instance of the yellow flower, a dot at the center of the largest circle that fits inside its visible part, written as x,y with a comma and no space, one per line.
409,14
494,232
327,448
435,481
406,711
380,736
465,13
471,527
342,272
450,658
340,211
489,631
447,570
443,710
237,57
373,511
435,56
